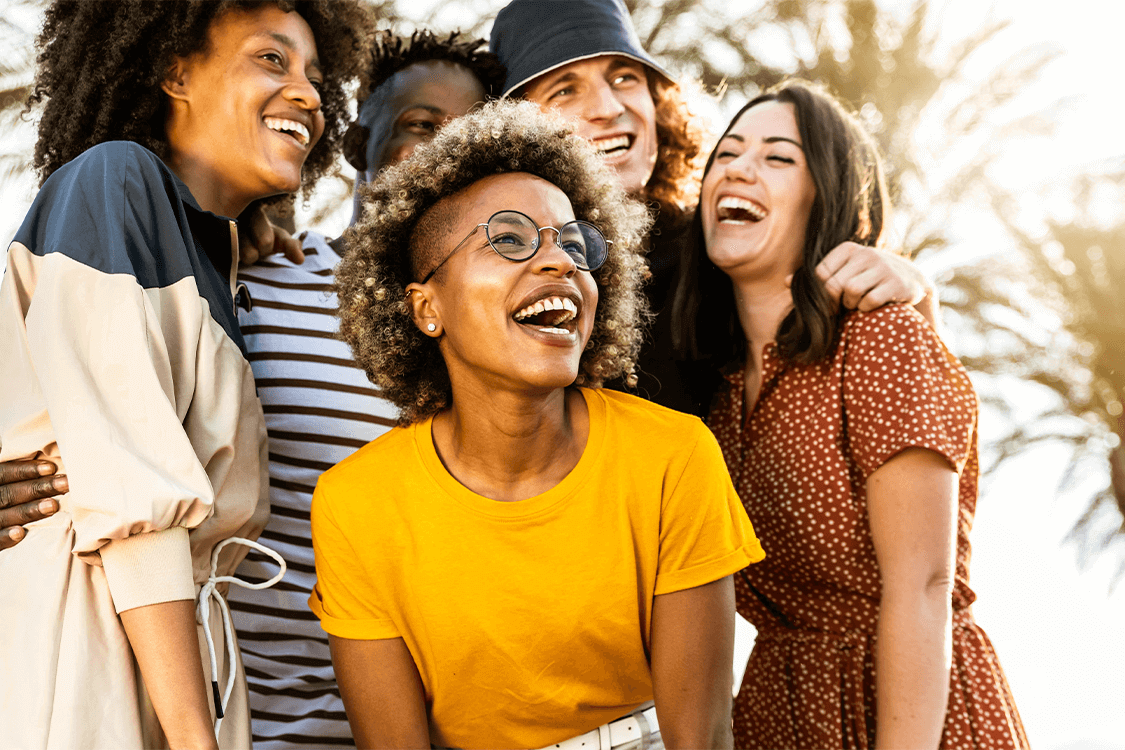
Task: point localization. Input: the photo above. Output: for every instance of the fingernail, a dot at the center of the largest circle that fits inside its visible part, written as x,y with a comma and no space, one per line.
61,483
45,469
48,506
16,534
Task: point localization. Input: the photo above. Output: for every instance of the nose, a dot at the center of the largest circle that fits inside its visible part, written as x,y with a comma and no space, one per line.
551,258
742,169
303,93
602,104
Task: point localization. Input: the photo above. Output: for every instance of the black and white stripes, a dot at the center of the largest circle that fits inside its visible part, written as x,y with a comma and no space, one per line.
319,408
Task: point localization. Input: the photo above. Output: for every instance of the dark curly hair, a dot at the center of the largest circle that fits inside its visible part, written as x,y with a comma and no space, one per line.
851,204
503,136
101,64
391,53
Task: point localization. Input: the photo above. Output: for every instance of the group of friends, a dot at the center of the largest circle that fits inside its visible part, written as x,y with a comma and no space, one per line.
497,467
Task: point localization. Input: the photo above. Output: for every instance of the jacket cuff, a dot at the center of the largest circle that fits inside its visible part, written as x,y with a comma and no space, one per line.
149,568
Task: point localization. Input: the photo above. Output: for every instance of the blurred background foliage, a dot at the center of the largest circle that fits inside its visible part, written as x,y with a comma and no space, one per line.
1033,304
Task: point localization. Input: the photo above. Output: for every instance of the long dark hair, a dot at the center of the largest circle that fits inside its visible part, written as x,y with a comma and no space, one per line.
851,204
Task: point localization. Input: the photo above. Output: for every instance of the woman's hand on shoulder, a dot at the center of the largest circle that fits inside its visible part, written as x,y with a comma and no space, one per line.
27,489
866,278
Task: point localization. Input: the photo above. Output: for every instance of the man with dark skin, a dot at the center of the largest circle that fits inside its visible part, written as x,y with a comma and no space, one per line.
27,491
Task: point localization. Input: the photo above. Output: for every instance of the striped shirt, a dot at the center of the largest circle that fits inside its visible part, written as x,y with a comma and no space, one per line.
319,408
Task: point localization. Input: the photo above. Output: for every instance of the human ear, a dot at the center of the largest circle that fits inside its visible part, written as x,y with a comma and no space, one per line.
423,309
176,80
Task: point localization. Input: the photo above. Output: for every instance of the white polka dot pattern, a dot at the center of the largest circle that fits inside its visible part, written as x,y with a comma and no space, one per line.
800,460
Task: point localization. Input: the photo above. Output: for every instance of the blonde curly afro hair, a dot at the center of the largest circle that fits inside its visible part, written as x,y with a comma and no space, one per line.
504,136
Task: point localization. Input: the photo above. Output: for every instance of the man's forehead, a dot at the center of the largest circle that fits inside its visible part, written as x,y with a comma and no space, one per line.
587,66
420,83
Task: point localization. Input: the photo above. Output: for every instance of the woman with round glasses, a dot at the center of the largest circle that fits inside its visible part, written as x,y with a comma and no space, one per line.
528,559
515,236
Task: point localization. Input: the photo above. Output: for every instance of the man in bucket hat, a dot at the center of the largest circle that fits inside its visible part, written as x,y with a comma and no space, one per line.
584,59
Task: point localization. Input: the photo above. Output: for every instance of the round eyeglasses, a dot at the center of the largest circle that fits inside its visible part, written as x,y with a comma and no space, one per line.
513,235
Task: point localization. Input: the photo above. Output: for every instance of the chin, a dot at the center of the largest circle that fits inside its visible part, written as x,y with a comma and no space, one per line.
634,180
552,379
285,180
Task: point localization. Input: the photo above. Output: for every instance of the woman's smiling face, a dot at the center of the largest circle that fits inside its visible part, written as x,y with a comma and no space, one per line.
758,194
512,325
248,105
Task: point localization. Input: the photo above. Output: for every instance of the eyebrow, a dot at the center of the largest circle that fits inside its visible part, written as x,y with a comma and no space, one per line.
288,42
568,76
625,62
563,77
424,107
770,139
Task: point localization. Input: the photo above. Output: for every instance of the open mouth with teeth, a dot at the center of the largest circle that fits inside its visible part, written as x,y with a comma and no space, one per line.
615,146
550,315
733,210
291,128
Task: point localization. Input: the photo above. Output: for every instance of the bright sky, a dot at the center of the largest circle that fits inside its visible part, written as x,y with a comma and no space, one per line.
1060,636
1059,632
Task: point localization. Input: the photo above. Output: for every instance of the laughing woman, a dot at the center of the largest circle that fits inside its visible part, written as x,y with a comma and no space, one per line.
123,361
852,441
528,558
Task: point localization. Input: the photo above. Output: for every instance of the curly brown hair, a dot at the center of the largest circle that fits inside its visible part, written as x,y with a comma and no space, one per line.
503,136
102,62
674,183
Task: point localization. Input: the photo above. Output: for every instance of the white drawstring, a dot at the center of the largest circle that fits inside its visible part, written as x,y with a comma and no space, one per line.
203,611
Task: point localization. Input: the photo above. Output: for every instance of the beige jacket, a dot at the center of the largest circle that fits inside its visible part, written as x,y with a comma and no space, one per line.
120,360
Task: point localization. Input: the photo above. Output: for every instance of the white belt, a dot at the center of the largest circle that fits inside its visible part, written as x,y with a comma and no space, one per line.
612,734
203,614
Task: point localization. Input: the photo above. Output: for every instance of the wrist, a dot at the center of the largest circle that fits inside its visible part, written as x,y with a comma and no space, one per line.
200,736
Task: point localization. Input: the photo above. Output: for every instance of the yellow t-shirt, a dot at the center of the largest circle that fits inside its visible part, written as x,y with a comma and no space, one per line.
528,621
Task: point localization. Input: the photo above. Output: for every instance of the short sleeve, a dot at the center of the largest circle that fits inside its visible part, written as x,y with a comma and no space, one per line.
904,389
114,363
346,595
705,534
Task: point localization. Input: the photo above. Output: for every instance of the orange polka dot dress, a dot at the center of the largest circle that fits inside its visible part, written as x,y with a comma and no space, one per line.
800,461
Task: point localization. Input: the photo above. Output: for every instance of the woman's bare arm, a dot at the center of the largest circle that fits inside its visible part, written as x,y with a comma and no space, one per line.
164,641
912,502
692,656
382,693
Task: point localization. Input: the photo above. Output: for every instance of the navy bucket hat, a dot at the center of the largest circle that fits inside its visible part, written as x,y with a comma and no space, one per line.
533,37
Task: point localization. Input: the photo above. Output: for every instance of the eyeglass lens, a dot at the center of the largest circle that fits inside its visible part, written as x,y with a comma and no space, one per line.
517,237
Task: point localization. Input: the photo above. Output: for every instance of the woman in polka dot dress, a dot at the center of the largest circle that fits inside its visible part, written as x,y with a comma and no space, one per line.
852,441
